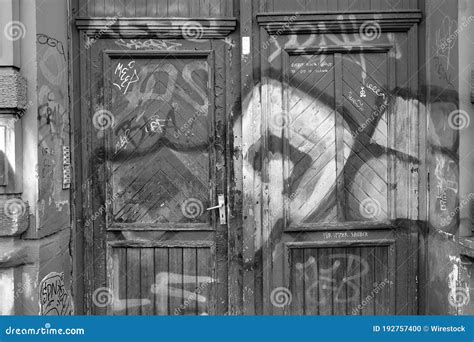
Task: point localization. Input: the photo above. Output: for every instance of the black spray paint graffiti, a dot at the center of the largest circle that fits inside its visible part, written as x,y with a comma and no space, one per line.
364,144
365,147
53,123
44,39
55,300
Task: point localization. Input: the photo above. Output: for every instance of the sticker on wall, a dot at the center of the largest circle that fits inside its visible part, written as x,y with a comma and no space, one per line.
54,299
66,167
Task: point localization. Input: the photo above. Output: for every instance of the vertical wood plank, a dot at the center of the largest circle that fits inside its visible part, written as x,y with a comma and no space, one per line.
251,183
204,9
161,281
367,283
375,5
183,8
297,280
191,286
354,277
140,8
283,6
339,112
312,299
133,281
364,4
119,6
380,288
173,8
203,270
109,9
175,280
215,8
332,5
339,265
129,8
234,178
121,255
194,8
98,8
151,8
161,8
147,275
325,281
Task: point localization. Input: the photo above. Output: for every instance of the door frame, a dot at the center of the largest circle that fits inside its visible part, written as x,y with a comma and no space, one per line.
217,31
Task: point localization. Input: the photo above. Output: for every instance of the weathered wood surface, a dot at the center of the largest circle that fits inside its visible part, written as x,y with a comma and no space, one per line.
156,8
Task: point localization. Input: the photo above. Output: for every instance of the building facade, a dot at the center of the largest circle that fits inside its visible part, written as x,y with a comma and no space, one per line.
235,157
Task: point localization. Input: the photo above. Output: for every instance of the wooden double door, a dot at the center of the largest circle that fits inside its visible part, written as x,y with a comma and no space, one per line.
318,143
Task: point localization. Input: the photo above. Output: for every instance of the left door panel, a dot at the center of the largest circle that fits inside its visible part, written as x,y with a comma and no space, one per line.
153,157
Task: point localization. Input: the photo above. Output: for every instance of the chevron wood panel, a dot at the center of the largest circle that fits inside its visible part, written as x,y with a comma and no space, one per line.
311,130
364,81
163,108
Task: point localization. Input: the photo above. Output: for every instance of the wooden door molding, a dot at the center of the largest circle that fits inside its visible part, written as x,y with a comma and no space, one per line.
337,22
192,28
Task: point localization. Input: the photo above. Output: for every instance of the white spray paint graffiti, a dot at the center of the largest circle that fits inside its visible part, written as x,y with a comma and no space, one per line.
355,268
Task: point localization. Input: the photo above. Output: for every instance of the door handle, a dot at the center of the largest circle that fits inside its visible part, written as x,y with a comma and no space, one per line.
221,206
214,207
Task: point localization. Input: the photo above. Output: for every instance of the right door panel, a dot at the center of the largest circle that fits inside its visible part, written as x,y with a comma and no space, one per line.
341,242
